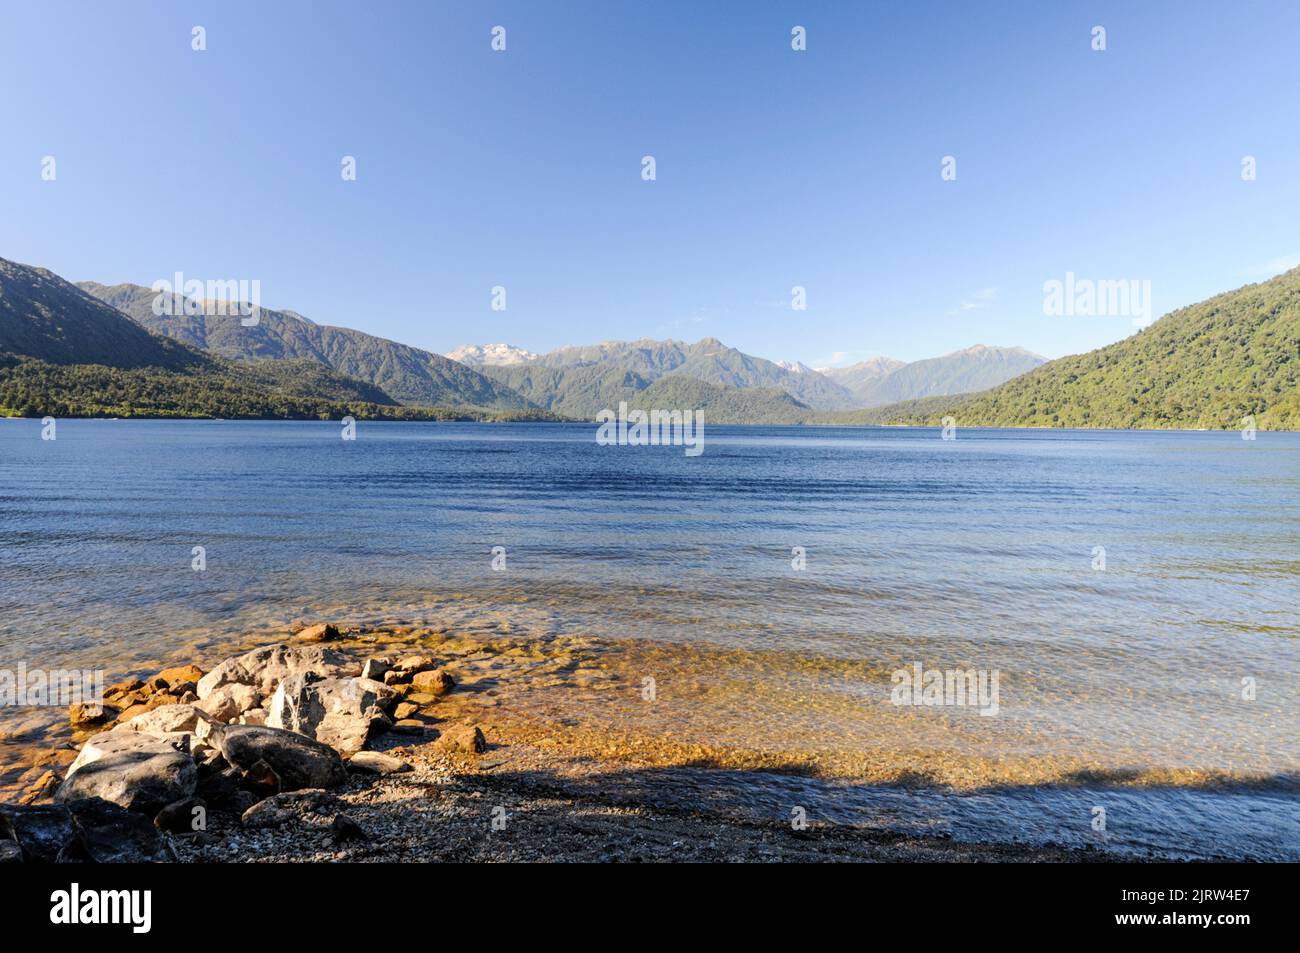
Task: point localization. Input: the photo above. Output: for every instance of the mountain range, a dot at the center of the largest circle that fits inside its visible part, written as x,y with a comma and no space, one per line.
99,350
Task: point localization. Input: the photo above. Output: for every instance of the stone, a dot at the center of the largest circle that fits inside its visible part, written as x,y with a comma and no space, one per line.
262,780
345,829
228,702
340,712
162,720
462,739
108,834
415,663
264,668
179,675
181,689
180,817
301,762
124,687
373,762
321,632
289,808
405,710
256,716
393,678
41,831
40,789
409,726
437,682
132,770
87,715
376,668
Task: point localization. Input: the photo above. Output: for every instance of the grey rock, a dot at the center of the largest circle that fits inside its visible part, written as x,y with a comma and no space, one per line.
266,667
132,770
162,720
226,703
301,762
109,834
340,712
289,808
373,762
40,831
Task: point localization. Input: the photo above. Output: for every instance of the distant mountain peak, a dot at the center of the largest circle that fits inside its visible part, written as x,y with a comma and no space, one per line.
498,354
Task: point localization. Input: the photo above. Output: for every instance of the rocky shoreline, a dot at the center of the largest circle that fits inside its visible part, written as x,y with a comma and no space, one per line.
383,745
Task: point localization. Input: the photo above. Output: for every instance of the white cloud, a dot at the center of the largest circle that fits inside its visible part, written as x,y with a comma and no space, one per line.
980,299
1274,266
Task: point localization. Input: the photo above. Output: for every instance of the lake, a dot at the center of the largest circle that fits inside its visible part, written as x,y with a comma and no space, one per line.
1137,593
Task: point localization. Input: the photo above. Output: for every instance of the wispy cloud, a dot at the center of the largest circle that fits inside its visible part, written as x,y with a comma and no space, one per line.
1274,266
979,299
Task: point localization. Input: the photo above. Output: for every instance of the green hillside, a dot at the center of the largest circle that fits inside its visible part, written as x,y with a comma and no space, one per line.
407,374
1202,367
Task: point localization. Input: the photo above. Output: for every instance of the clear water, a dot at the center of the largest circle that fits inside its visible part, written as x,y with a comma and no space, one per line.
977,552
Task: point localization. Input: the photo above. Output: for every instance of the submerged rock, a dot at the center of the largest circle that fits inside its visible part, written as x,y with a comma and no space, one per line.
437,682
132,770
462,739
321,632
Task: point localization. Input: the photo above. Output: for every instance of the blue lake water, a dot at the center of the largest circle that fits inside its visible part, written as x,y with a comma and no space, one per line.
978,552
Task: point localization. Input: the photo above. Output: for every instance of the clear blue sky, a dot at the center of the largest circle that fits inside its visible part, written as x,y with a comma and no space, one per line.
775,168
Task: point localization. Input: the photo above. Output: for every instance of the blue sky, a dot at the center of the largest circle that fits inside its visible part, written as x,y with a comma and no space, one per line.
774,168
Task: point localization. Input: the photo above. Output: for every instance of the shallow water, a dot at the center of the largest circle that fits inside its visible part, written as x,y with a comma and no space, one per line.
973,553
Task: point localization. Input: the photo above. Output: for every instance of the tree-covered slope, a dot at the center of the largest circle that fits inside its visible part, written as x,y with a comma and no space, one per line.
1205,366
44,317
407,374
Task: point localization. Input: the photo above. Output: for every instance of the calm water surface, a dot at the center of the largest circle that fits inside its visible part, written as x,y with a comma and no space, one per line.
977,552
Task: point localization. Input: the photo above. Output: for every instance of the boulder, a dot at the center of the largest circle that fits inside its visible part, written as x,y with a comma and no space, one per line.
228,702
264,668
162,720
107,834
405,710
373,762
437,682
40,831
301,762
132,770
340,712
462,739
256,716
